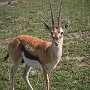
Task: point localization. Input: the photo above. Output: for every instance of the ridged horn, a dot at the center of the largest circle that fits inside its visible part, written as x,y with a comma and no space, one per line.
51,13
60,10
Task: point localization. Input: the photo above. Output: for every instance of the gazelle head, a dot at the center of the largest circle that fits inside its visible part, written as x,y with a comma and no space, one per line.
57,35
56,32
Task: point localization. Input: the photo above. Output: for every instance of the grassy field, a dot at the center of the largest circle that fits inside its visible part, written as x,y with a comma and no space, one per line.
26,17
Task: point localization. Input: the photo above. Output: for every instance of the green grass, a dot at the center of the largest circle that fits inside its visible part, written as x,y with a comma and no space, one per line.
26,17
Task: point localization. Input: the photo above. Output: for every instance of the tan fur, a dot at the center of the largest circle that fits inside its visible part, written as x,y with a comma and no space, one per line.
34,45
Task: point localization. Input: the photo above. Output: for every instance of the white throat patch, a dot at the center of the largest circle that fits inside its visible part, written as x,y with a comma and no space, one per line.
58,50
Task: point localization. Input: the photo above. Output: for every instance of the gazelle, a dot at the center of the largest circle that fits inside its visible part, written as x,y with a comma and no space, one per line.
37,53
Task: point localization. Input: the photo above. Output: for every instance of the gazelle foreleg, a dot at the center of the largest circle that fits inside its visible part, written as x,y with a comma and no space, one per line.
25,76
46,76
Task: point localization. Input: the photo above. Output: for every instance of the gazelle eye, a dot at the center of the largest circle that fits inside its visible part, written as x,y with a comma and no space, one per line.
61,33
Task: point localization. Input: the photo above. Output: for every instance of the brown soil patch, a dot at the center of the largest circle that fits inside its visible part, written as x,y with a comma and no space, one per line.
77,35
79,61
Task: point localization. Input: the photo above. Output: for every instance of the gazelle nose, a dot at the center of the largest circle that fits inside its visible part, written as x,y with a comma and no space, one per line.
56,38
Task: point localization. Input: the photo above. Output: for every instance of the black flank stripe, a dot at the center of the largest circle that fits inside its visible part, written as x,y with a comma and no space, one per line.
22,61
28,55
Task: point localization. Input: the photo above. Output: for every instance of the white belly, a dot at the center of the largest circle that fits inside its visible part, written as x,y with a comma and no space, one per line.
32,63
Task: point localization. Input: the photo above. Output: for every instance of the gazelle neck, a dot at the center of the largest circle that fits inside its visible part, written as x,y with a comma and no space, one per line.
57,49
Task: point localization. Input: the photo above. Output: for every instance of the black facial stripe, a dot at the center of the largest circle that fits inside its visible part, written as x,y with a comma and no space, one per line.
53,37
28,55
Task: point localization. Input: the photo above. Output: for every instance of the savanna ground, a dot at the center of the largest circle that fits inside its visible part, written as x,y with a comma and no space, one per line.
26,17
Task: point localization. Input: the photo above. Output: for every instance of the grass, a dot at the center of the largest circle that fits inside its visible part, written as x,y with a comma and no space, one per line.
26,17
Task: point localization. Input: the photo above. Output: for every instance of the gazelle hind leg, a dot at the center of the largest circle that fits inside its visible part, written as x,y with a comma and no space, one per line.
25,76
13,72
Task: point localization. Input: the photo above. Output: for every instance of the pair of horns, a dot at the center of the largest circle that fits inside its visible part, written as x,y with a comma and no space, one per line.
59,16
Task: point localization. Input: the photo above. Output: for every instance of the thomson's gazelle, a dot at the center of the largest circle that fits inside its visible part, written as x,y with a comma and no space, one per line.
36,53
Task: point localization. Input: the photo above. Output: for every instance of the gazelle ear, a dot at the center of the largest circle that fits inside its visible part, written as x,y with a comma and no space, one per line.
47,27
